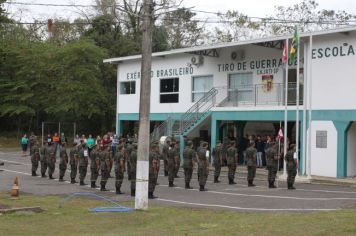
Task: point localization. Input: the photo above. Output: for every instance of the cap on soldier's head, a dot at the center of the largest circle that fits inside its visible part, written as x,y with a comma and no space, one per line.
232,142
218,144
189,143
154,146
252,143
219,141
134,145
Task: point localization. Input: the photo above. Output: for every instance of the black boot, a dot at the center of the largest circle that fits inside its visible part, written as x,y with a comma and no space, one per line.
73,181
82,183
202,188
34,173
118,191
250,183
93,185
51,177
231,181
60,179
271,184
290,186
43,175
133,192
151,196
102,188
216,179
187,186
171,184
165,173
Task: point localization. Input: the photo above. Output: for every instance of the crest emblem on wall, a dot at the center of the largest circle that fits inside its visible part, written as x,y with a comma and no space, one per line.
267,81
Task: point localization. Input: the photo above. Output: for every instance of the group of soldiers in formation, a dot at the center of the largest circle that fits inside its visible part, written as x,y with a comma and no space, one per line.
103,158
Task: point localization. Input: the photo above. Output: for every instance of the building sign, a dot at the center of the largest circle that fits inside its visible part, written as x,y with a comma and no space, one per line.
343,50
163,73
321,139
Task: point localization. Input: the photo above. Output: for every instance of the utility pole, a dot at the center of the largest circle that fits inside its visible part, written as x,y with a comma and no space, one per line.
141,199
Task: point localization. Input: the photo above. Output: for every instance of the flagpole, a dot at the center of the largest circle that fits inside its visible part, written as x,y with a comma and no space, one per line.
285,111
305,102
297,101
310,86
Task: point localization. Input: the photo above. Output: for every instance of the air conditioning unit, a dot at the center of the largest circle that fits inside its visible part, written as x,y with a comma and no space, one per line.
197,60
238,55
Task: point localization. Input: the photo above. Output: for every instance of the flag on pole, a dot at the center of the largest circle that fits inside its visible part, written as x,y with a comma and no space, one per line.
295,44
280,134
285,53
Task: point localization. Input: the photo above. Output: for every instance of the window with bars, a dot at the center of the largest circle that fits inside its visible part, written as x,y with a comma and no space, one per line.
169,90
128,87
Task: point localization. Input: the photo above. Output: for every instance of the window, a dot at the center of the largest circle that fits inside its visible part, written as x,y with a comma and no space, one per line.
241,87
169,90
321,139
201,85
128,87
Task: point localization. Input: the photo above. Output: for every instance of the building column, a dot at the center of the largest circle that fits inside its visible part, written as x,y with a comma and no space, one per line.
181,146
119,127
215,124
342,128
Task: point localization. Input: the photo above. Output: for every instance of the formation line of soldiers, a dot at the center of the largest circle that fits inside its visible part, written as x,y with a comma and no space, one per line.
102,159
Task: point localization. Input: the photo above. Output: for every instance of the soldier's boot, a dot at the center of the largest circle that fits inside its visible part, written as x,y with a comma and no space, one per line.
271,184
61,179
51,177
72,181
118,191
290,186
133,192
250,183
102,188
43,175
187,186
81,183
165,173
93,185
171,184
151,196
231,181
202,188
34,173
216,179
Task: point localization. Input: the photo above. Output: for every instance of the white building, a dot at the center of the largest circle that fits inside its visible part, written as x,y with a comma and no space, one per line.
238,88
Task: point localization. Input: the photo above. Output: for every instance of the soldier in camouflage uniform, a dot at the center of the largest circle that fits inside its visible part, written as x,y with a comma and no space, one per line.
111,160
32,141
292,165
203,166
43,160
63,161
177,160
51,159
251,154
94,166
231,157
164,154
128,150
104,166
73,160
272,164
133,163
189,158
171,157
83,156
217,155
119,161
153,170
159,157
35,158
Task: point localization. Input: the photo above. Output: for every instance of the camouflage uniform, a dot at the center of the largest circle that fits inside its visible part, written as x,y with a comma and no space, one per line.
129,148
291,168
104,167
203,166
231,163
43,161
171,159
94,167
189,156
73,160
153,162
177,160
164,154
63,163
51,160
217,155
133,163
83,163
251,153
35,158
119,161
272,165
32,141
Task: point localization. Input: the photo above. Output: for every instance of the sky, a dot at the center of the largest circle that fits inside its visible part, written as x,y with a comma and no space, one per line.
253,8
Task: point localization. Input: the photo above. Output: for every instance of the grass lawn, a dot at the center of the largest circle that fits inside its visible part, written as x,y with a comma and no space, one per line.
75,219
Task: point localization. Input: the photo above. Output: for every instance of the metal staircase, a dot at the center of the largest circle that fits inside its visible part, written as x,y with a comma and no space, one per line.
193,116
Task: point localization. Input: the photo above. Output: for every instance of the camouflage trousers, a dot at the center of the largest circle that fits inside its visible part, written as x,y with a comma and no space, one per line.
231,171
217,170
119,177
94,174
165,165
129,176
272,172
188,172
203,175
176,168
133,180
34,164
171,172
251,173
62,170
43,167
73,171
51,167
82,172
151,182
104,176
291,176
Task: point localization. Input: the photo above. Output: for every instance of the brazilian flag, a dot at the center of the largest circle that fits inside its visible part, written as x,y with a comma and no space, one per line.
295,44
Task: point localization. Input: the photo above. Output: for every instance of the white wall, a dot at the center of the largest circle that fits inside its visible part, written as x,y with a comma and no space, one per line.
324,161
334,79
351,151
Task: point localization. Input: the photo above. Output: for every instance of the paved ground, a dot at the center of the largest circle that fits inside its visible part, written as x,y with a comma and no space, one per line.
307,197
